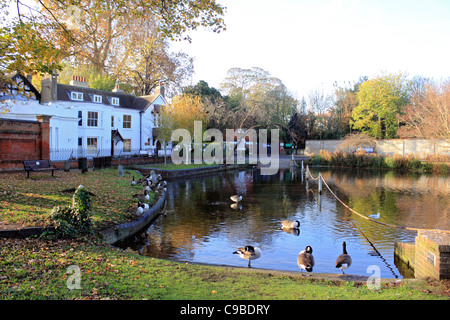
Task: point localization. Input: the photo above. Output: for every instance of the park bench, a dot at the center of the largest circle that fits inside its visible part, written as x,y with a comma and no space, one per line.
38,165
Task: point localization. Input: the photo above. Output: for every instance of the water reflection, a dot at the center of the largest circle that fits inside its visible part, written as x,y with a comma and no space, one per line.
202,225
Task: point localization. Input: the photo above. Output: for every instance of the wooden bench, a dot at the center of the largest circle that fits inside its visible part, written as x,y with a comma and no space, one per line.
38,165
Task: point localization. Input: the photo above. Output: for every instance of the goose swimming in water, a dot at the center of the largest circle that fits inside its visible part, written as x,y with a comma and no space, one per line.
248,253
289,224
305,259
344,260
236,198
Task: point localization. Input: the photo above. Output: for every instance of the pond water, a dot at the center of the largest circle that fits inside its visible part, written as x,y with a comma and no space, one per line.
199,224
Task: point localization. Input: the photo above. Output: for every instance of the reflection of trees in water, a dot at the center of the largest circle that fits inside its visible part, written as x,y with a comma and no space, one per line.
199,208
411,200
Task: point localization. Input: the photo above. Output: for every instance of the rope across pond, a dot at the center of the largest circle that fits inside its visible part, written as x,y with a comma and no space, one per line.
322,180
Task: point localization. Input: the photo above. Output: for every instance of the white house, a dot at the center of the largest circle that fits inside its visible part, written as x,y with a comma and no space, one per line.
89,122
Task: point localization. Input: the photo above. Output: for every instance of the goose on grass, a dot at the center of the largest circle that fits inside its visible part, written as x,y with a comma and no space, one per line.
136,210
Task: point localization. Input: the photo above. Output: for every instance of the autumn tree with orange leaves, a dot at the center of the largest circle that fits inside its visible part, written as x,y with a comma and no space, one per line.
179,114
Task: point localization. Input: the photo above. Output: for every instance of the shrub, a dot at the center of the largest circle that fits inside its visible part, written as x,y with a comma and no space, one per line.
75,220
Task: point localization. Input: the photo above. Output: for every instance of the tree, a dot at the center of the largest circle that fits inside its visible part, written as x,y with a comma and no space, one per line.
257,99
345,100
95,32
179,114
428,114
380,103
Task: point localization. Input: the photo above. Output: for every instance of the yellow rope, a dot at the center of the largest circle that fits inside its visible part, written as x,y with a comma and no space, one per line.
368,218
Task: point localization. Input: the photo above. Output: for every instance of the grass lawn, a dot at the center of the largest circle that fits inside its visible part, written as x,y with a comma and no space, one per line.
36,268
29,201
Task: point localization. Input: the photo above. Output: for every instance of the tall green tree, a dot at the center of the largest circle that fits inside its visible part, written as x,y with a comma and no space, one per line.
380,103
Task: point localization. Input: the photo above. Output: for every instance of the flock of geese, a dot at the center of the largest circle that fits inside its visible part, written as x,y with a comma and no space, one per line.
305,259
151,182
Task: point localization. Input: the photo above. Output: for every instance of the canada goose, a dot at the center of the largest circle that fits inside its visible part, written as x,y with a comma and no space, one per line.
136,210
248,253
142,197
344,260
289,224
144,205
305,259
236,198
236,206
133,182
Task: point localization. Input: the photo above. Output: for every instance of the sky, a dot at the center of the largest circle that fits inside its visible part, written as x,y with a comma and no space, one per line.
311,44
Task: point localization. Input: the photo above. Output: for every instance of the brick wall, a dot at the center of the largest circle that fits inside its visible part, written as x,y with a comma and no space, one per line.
23,140
432,255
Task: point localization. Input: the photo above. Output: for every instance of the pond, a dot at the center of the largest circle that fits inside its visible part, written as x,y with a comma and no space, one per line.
199,224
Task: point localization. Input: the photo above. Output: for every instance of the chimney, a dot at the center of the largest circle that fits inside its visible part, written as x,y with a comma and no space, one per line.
160,89
49,88
79,81
117,89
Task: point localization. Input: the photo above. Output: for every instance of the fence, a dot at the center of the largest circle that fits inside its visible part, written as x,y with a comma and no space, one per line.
63,154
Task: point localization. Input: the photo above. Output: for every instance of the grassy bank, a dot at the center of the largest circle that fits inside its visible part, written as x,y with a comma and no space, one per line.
29,201
37,269
360,159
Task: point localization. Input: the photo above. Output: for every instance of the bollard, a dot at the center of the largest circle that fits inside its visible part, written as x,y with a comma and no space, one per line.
307,172
303,169
66,166
320,183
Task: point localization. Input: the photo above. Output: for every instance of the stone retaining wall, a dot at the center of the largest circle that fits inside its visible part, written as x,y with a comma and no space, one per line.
122,231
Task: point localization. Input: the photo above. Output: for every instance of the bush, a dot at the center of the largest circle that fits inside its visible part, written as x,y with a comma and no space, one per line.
75,220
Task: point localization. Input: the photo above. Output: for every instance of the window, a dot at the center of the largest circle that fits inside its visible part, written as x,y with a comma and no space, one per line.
115,101
80,117
80,142
112,121
92,145
126,145
78,96
92,120
126,121
97,98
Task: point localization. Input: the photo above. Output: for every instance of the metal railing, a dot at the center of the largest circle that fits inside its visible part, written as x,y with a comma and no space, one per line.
62,154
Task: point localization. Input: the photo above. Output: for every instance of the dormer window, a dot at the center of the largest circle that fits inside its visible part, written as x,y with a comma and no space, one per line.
115,101
77,96
97,98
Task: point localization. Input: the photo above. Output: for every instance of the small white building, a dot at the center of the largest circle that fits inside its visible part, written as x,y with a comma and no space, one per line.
87,122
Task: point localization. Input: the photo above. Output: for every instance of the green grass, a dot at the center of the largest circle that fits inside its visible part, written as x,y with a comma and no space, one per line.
29,201
37,269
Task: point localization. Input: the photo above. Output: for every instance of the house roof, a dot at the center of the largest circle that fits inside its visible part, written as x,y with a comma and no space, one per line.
126,101
9,86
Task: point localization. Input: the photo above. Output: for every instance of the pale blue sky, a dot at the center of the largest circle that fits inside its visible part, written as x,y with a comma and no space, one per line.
309,44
